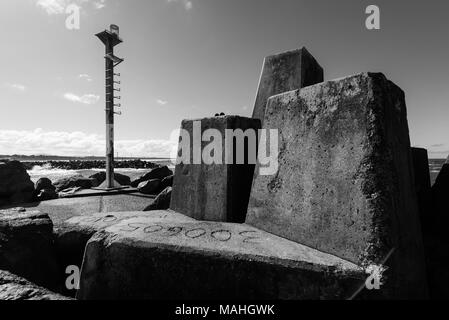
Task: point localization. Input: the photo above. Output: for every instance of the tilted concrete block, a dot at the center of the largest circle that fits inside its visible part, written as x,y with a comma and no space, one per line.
345,183
214,192
285,72
138,259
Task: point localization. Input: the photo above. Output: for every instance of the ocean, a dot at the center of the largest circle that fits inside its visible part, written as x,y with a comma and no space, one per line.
435,168
54,174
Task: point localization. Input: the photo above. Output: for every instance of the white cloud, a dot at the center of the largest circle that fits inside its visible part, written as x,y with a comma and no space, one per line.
436,151
53,6
85,99
188,5
99,4
59,6
16,86
77,144
161,102
85,76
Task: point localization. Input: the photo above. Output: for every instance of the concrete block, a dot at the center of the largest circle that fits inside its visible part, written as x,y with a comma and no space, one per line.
26,246
16,288
61,210
208,260
72,236
285,72
214,192
345,180
423,188
435,249
436,240
440,200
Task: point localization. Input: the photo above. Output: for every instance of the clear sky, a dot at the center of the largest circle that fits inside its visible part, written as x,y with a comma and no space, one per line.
193,58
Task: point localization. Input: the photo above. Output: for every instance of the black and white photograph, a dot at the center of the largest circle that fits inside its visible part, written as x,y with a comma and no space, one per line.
224,158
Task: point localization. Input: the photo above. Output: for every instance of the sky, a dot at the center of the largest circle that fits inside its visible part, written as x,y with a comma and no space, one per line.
193,58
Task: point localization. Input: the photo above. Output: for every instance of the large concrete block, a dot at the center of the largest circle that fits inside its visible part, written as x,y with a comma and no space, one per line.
436,239
423,188
26,246
138,259
61,210
285,72
435,243
72,235
345,180
214,192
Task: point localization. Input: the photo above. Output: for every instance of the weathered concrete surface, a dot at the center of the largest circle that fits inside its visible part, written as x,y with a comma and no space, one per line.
345,181
207,260
285,72
72,235
26,246
13,287
61,210
214,192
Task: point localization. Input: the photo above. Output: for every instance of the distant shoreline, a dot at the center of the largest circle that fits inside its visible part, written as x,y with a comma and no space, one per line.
25,158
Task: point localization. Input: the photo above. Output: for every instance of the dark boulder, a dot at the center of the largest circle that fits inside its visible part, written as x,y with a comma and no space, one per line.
157,173
100,177
26,242
44,184
46,194
162,201
167,182
15,184
77,181
152,186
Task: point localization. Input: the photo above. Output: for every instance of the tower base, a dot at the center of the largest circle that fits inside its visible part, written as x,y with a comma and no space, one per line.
116,186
